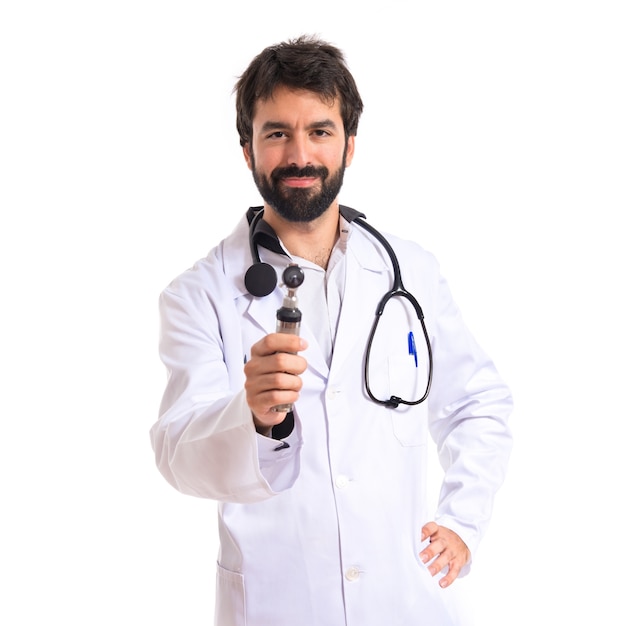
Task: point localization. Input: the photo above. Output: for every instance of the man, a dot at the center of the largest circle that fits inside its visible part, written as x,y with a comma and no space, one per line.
323,510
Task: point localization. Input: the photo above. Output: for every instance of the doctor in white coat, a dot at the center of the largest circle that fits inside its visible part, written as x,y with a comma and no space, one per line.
324,516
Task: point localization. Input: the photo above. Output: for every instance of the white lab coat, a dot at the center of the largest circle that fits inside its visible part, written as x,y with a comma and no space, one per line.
326,532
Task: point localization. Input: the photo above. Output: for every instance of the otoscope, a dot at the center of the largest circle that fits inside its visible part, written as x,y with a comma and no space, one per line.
289,316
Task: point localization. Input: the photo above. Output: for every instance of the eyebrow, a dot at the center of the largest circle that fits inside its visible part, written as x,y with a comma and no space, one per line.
272,125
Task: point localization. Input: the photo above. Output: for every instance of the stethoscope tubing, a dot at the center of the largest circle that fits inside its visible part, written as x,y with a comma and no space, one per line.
397,291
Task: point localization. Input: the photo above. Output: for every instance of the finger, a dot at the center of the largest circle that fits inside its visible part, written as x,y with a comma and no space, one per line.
267,371
287,363
273,382
278,342
262,407
429,529
439,563
452,574
268,390
436,548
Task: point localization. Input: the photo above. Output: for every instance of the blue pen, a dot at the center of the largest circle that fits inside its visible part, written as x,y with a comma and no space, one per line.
412,349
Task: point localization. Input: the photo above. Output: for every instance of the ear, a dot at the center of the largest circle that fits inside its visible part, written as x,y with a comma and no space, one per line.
247,155
349,149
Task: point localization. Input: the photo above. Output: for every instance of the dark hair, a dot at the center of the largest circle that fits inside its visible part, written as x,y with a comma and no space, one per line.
303,63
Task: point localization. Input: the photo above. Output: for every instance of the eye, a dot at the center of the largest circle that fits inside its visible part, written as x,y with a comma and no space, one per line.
320,132
277,134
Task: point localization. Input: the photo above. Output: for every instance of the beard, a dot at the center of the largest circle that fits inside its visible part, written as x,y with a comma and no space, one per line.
298,204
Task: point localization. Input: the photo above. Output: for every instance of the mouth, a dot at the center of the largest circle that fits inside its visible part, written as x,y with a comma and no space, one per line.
299,182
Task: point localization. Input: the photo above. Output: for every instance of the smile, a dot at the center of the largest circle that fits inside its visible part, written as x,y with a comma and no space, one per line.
299,182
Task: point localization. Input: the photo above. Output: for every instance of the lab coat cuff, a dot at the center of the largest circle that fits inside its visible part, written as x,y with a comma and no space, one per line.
279,459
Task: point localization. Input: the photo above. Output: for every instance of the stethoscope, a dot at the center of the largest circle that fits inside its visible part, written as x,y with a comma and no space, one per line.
261,280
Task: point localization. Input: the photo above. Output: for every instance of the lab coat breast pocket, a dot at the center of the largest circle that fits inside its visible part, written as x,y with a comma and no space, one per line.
398,367
409,422
230,598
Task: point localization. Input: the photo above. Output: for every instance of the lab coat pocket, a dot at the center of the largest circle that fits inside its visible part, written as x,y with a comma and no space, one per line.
409,422
441,606
230,598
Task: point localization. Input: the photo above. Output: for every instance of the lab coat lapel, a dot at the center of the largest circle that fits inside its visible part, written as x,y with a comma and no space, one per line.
313,355
262,311
368,277
237,259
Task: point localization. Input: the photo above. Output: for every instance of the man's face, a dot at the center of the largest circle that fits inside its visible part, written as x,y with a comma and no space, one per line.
298,153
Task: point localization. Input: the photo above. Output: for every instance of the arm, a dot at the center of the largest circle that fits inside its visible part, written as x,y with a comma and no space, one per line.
205,440
469,410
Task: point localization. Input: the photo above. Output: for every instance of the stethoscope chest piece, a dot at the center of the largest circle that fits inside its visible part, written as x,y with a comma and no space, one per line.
260,279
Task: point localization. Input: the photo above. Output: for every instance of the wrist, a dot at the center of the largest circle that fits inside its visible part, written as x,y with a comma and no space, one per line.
262,429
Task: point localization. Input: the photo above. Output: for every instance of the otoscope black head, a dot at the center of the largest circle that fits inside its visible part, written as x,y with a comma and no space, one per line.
293,276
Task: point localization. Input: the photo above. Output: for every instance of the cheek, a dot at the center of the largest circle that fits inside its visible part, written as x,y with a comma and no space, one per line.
333,155
265,160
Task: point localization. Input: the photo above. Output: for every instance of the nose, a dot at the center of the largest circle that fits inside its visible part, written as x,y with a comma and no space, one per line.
298,152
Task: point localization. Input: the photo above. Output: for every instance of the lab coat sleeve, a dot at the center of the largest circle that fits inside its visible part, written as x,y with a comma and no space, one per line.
204,441
469,407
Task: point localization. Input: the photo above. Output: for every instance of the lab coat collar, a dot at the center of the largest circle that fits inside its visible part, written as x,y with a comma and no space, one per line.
237,256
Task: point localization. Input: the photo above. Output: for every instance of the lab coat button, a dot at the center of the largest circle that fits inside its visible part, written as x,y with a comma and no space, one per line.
353,573
341,482
333,392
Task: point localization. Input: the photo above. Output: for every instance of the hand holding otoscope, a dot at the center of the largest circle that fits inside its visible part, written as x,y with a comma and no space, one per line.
274,367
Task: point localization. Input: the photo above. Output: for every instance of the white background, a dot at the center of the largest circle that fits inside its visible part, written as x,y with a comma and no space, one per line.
494,134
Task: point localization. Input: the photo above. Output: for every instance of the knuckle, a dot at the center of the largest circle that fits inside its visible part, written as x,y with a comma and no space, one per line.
282,361
284,380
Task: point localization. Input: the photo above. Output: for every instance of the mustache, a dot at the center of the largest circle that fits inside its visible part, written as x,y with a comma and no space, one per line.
293,171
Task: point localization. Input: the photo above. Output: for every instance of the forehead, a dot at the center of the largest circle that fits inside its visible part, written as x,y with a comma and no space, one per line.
296,105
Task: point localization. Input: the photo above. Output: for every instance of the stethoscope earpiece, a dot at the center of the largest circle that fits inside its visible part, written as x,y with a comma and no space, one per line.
260,279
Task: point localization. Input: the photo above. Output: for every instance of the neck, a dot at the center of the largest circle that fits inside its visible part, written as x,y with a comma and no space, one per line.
313,241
